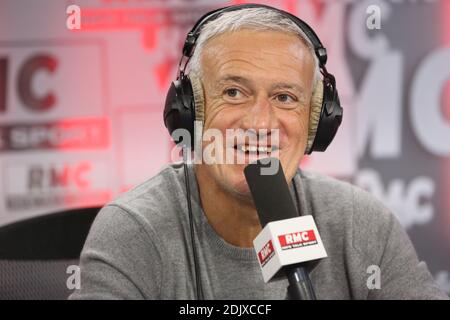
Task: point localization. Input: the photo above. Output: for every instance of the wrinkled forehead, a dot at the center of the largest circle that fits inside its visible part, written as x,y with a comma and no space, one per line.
256,42
248,53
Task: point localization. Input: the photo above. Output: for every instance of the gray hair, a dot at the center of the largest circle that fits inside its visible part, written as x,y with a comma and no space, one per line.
259,19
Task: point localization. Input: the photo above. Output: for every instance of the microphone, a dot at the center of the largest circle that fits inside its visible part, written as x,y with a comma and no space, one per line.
287,240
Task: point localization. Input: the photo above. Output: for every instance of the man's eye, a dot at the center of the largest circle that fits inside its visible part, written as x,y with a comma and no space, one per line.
233,92
285,98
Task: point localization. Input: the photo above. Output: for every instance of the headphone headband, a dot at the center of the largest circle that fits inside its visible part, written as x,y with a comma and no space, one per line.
193,35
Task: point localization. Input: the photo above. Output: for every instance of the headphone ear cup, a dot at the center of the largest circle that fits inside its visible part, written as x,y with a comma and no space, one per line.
314,115
179,109
330,116
171,108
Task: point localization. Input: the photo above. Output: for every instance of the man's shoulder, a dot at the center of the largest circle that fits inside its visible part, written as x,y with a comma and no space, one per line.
315,179
347,209
327,189
338,193
156,198
160,184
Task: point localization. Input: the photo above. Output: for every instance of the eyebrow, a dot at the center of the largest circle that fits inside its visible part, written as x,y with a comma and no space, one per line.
284,85
247,82
238,79
276,86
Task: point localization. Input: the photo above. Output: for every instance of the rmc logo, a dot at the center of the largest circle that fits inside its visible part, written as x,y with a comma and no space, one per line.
297,239
266,253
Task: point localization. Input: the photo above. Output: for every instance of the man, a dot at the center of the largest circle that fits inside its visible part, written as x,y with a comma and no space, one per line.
258,72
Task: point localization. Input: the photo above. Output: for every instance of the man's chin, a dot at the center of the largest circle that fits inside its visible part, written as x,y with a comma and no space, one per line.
238,187
241,194
243,190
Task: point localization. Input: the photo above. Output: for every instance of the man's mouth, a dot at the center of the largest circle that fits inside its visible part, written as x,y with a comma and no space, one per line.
256,149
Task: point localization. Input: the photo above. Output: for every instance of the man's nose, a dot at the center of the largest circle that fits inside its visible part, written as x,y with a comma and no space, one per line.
259,115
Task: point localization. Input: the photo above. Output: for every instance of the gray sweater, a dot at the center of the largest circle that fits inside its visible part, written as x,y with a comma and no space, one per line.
139,247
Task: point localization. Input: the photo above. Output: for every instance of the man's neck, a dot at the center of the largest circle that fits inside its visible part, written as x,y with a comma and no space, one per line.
235,220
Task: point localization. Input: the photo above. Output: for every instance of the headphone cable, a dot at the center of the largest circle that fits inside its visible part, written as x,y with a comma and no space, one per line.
191,227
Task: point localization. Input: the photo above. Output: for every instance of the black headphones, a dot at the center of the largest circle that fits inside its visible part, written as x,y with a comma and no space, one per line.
180,109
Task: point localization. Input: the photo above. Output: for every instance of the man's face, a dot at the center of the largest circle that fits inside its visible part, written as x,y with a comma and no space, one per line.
257,80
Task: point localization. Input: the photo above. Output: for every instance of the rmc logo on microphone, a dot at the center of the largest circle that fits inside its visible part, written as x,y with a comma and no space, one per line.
266,253
297,239
286,242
